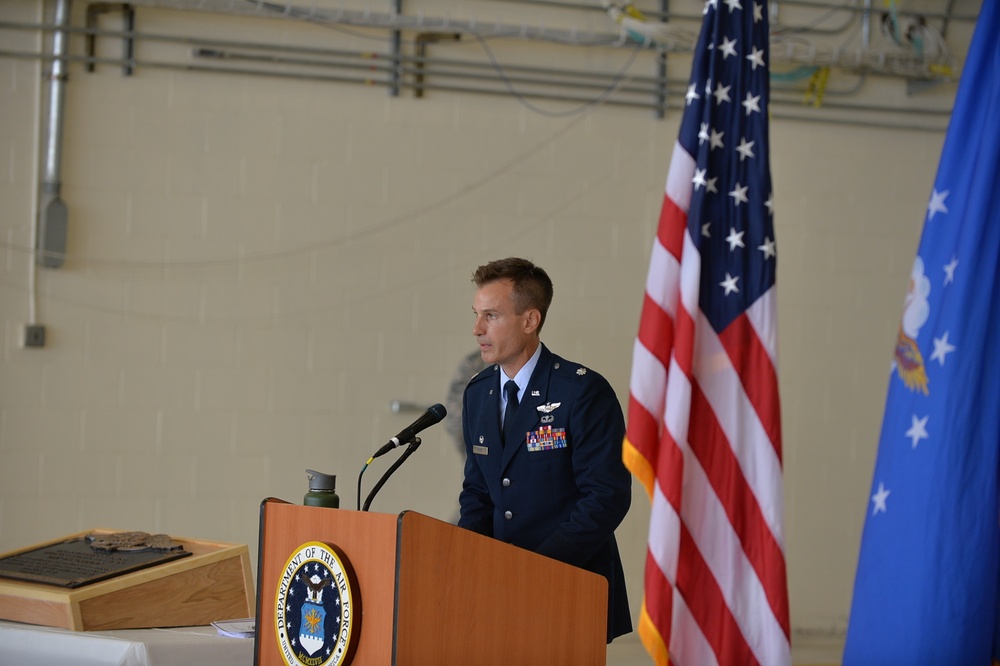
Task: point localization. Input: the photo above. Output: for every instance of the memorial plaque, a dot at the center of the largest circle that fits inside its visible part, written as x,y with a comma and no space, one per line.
78,562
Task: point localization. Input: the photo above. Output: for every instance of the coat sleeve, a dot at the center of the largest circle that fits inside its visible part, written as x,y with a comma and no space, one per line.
476,506
604,484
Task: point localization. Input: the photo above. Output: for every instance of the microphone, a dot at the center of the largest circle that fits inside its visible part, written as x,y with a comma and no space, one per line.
433,415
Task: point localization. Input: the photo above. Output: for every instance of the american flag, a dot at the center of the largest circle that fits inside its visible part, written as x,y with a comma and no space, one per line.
926,588
704,424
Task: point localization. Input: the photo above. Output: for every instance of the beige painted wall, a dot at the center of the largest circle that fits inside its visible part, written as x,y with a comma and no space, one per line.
258,267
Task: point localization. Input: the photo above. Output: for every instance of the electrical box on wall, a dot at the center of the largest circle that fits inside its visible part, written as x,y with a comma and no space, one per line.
34,335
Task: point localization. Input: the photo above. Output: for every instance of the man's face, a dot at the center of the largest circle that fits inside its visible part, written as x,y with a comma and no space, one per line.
504,336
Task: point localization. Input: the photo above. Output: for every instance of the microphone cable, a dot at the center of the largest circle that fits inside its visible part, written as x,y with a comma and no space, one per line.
385,477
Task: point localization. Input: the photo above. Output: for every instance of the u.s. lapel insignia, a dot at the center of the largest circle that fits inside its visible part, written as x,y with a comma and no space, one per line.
535,394
548,407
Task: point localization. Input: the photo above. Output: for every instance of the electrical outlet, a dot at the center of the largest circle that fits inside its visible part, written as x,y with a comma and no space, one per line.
34,335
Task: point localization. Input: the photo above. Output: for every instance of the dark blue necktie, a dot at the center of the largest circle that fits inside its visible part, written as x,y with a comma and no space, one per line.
510,388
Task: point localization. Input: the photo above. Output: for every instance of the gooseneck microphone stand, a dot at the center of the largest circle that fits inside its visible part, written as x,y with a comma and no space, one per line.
411,447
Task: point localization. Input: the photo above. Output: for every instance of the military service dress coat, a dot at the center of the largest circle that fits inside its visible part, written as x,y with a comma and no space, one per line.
559,486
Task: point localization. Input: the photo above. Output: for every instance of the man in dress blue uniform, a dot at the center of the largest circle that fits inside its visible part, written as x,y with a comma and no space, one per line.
543,438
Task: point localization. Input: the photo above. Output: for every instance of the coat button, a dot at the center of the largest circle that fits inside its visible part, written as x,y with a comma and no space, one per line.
506,483
508,515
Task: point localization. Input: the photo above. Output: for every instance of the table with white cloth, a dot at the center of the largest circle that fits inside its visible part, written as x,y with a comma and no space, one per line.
177,646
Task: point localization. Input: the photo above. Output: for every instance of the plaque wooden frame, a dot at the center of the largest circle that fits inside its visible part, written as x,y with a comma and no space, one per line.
214,583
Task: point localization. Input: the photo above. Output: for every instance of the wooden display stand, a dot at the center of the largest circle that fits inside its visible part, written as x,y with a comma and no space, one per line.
432,593
214,583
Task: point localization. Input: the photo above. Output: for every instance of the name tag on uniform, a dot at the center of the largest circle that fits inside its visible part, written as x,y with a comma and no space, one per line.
480,450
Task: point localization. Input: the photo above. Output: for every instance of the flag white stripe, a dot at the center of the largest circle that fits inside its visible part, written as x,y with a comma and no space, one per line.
763,317
664,535
679,175
691,279
648,384
661,282
677,411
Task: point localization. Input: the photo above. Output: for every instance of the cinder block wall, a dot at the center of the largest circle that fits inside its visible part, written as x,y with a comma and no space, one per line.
258,267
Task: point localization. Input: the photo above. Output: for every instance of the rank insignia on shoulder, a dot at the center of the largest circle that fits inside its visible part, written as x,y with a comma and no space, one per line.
581,371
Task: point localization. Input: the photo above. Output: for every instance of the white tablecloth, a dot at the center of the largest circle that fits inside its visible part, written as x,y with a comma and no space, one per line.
181,646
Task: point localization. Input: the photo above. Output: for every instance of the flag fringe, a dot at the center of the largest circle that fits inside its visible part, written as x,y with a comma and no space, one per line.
651,639
639,466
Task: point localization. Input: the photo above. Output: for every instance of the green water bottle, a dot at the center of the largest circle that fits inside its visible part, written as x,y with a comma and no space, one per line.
322,490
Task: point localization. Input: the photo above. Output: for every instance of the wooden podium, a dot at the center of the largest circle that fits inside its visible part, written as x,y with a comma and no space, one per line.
433,593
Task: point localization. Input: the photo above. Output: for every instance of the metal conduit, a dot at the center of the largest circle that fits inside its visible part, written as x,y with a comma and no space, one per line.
474,71
368,81
445,68
895,63
53,218
223,49
784,104
948,14
285,7
557,84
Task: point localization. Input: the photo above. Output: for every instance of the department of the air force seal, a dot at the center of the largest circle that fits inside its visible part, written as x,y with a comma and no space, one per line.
317,611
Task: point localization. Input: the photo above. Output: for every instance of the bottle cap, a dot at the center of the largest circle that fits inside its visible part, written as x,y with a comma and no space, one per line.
320,481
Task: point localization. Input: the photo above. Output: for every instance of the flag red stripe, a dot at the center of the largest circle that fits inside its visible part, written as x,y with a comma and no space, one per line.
656,330
643,430
670,470
672,227
684,341
659,594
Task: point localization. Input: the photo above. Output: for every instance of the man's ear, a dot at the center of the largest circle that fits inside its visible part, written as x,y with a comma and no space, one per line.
532,319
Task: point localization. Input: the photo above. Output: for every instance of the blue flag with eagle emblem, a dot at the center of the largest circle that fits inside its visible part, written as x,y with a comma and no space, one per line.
925,591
